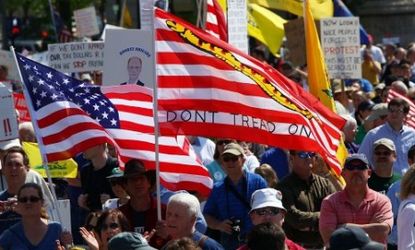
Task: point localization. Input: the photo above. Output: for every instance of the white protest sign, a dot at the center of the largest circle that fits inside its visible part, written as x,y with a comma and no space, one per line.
146,14
86,22
76,57
7,59
64,207
237,20
129,60
8,120
340,40
40,57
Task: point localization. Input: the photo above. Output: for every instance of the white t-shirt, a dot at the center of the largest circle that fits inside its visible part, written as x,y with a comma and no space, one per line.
406,223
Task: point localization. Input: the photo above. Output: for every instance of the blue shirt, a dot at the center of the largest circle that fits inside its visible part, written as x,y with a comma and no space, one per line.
15,239
278,160
403,140
393,195
222,203
208,243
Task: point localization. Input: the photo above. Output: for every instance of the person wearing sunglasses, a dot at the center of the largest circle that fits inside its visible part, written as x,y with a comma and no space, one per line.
357,205
215,168
394,129
228,205
266,207
34,231
109,224
384,155
303,191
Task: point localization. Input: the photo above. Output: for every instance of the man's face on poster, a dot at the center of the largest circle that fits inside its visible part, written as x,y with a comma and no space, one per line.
134,67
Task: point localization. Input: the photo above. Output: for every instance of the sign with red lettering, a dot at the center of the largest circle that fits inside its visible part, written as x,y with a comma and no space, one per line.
340,41
8,120
20,105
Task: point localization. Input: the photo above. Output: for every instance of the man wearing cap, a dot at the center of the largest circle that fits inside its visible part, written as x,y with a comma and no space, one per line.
141,209
228,205
356,205
129,241
266,206
302,194
350,237
394,129
384,156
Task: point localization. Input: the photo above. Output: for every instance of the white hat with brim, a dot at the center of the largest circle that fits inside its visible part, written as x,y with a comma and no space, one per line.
5,145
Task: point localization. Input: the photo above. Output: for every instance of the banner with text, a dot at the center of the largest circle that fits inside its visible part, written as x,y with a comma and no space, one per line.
237,20
76,57
340,40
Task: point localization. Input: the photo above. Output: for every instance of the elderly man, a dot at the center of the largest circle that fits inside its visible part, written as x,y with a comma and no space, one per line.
303,193
394,129
357,204
182,211
384,155
228,205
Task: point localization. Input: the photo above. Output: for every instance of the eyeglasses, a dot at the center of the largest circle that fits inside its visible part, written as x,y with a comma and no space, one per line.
384,153
230,158
223,142
31,199
399,111
305,155
352,167
111,226
267,211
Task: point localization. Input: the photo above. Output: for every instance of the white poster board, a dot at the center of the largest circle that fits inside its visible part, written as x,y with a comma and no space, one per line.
40,57
76,57
7,59
146,14
8,120
64,207
237,20
129,60
86,22
340,40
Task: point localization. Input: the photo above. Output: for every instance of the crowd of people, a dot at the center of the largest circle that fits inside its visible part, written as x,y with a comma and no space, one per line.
263,197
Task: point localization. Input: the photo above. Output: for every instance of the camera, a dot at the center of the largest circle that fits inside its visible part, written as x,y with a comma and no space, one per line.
236,226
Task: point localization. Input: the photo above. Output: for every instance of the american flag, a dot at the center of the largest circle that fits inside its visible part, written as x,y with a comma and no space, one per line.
410,119
72,116
215,20
208,88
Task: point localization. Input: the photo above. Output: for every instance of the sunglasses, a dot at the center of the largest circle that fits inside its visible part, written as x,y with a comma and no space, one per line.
352,167
306,155
384,153
223,142
111,226
267,211
230,158
31,199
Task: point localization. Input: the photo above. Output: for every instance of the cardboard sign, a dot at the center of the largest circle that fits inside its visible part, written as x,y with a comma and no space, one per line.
238,24
8,121
76,57
340,41
146,14
294,31
86,22
129,60
6,59
21,106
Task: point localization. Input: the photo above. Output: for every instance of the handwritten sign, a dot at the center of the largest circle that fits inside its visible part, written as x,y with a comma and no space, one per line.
21,106
340,40
86,22
8,121
237,19
76,57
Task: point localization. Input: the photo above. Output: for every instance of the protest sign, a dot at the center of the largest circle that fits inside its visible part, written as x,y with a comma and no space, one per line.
58,169
129,60
86,22
8,120
294,31
237,24
21,106
40,57
6,59
64,207
146,14
76,57
340,40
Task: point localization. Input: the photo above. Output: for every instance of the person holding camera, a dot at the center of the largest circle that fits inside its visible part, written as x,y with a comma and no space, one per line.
228,205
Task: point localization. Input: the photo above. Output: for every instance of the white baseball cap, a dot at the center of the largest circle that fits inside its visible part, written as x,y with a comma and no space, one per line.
4,145
266,197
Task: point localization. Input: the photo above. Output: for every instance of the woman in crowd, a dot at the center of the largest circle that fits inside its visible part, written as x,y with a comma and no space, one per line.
109,224
268,173
34,231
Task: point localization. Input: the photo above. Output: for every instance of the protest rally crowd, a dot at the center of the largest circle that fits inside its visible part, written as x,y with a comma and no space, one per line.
262,197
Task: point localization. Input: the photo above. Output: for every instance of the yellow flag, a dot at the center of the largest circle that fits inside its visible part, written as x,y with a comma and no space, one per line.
318,80
266,26
126,20
59,169
319,8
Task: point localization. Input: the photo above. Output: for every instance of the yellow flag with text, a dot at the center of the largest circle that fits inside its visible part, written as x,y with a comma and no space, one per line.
318,80
319,8
266,26
58,169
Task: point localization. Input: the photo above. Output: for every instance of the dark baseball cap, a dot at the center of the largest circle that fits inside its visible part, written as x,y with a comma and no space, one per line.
356,159
352,237
128,241
134,168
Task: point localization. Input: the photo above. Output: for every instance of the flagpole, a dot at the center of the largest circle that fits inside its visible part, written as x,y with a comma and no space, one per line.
156,120
39,140
53,20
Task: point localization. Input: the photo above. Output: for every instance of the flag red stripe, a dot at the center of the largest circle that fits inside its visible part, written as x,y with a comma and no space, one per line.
68,131
59,115
191,58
